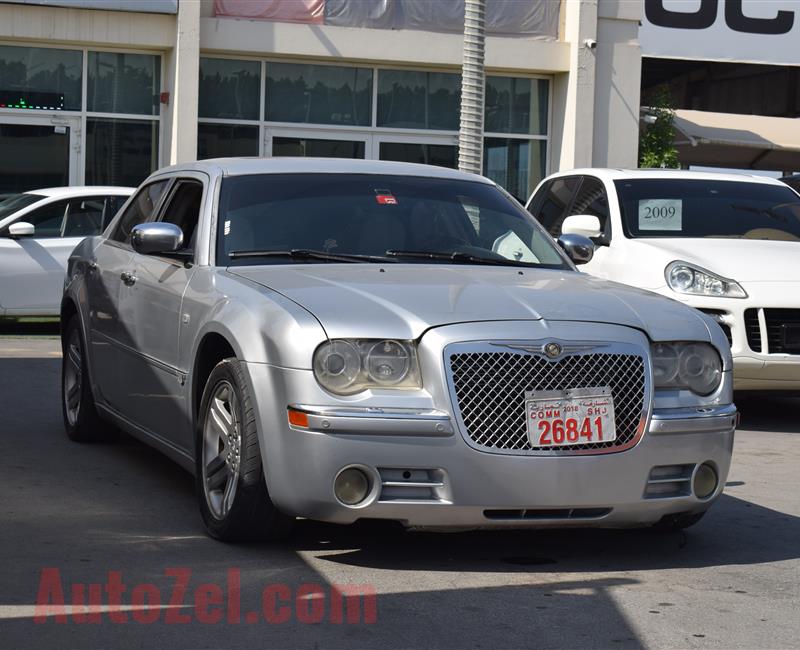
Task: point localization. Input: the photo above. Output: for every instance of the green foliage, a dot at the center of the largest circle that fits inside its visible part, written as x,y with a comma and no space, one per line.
656,148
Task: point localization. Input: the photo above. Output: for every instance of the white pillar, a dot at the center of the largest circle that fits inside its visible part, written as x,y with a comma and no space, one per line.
183,65
618,85
574,93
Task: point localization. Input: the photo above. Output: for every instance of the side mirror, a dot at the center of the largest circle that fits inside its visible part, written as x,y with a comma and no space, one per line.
155,238
587,225
578,248
21,229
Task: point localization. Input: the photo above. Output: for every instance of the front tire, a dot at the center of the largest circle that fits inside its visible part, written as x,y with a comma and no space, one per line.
231,488
81,420
678,522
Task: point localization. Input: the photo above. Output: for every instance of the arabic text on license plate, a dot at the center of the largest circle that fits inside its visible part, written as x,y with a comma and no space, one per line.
577,416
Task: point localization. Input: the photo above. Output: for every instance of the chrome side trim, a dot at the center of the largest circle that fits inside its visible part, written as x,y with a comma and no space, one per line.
375,421
701,419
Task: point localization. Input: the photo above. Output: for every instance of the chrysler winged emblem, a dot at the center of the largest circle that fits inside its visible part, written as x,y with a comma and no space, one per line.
552,349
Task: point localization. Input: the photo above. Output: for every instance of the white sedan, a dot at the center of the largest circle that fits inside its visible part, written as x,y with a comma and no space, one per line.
38,231
728,245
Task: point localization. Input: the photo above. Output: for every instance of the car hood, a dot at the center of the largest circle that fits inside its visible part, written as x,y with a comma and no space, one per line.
743,260
404,300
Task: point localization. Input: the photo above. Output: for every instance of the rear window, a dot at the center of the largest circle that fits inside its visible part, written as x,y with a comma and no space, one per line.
682,207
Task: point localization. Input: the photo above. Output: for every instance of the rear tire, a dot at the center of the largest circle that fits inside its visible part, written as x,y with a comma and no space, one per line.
81,419
230,484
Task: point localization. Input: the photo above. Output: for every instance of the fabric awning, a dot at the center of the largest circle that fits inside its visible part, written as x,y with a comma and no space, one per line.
737,141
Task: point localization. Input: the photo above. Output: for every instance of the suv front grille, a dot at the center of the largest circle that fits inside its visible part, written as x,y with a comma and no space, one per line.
776,320
489,389
753,329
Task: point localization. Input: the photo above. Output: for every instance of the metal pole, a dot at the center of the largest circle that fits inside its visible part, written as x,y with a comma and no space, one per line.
470,134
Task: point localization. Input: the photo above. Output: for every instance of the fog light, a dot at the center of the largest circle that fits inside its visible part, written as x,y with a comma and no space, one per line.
705,481
351,486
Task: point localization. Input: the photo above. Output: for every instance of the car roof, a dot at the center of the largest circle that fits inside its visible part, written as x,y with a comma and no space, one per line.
292,165
611,174
81,190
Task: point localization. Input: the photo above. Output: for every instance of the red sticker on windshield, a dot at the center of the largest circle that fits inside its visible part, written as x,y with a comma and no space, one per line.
386,199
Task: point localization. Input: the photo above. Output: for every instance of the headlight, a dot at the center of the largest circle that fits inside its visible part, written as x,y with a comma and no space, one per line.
686,278
696,366
345,366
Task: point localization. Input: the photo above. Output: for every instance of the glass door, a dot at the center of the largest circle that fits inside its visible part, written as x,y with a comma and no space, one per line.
38,152
440,150
315,143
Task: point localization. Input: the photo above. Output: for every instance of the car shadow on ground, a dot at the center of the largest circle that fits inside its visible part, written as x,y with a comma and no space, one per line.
769,411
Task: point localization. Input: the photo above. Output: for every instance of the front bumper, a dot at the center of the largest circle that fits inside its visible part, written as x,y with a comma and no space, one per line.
424,474
753,369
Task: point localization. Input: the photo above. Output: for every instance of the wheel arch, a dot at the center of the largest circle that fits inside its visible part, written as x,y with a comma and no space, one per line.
212,348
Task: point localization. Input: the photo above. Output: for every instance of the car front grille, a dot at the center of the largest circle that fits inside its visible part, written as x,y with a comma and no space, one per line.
489,386
777,321
753,329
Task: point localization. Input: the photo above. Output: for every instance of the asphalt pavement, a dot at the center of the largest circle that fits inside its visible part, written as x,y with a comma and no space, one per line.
93,523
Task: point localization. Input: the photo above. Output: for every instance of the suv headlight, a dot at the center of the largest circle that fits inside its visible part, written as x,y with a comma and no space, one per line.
347,366
687,278
696,366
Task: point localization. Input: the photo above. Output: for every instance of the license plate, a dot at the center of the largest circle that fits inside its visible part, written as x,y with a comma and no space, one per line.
577,416
791,336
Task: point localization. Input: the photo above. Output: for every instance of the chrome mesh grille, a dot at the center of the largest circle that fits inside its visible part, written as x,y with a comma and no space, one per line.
490,394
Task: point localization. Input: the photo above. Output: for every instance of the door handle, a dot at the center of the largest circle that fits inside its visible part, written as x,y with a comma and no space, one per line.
129,279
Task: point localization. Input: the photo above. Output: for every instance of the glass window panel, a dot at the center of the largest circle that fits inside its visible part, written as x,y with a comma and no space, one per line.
317,148
47,220
223,140
124,83
442,155
516,105
34,156
139,210
517,165
229,89
419,100
120,152
40,77
320,94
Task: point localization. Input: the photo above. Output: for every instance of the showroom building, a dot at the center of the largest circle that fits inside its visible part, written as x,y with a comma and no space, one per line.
105,91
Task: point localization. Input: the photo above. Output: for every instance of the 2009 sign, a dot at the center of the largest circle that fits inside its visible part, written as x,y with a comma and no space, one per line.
557,432
655,212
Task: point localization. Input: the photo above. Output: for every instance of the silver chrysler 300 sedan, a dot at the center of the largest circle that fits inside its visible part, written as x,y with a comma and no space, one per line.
338,339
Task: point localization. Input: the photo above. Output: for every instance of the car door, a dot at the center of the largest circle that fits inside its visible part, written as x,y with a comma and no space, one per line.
110,327
155,382
32,268
591,198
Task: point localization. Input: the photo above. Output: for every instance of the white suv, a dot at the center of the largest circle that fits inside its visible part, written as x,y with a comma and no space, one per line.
728,245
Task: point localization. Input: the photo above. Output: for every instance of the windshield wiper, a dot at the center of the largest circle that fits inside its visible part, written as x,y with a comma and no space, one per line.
456,257
308,254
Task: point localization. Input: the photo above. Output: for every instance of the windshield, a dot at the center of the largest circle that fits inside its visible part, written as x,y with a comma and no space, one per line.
679,207
319,218
14,202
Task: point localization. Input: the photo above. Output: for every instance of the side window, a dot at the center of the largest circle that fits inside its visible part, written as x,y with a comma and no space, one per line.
47,220
113,204
183,209
84,217
592,199
552,209
140,210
